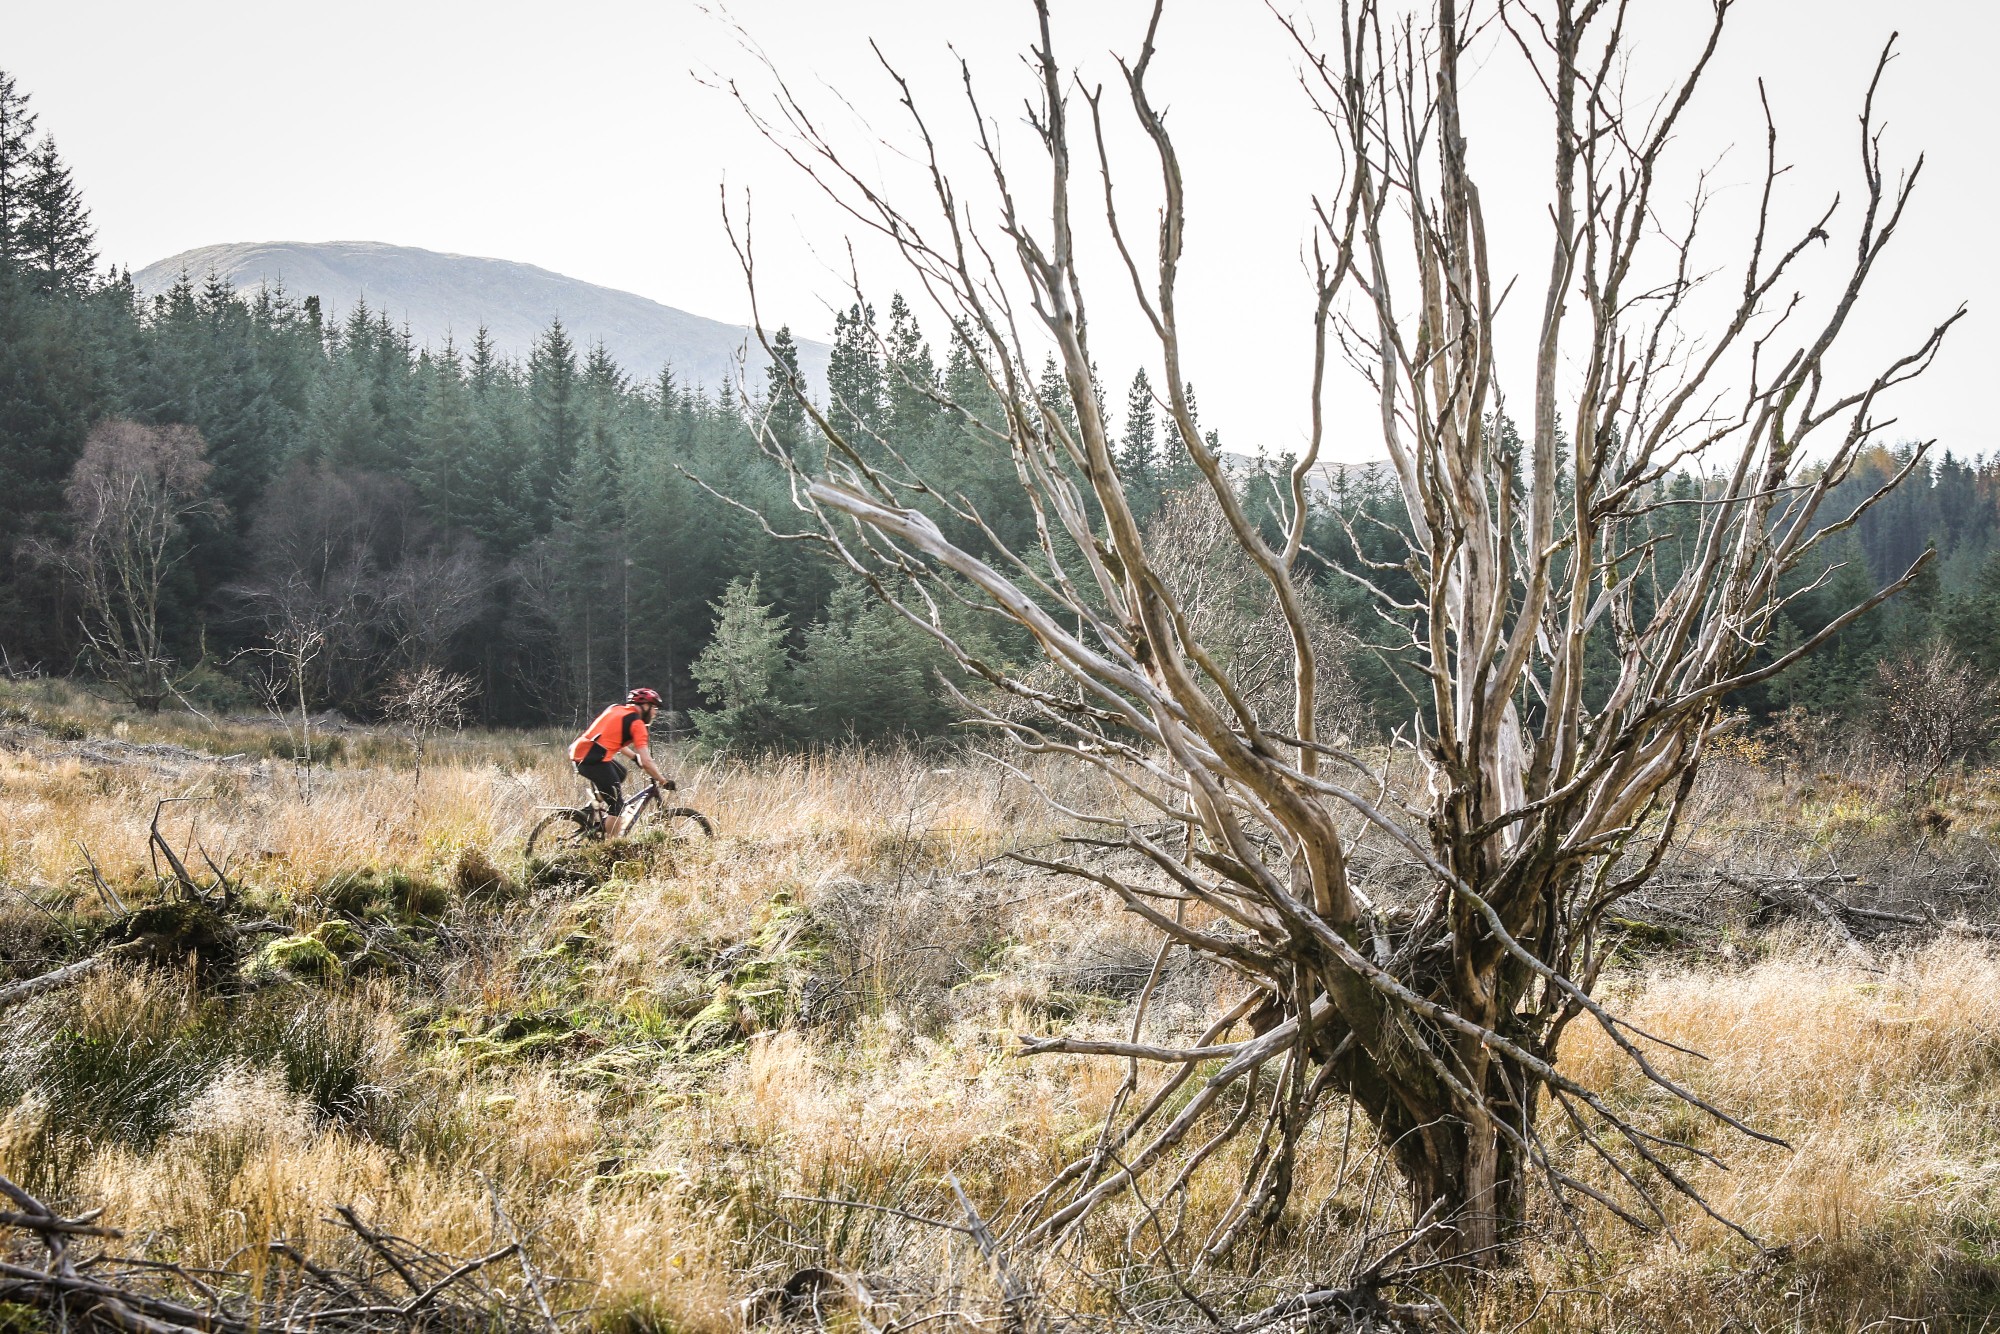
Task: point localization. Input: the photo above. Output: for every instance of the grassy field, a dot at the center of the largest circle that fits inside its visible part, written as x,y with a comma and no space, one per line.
684,1070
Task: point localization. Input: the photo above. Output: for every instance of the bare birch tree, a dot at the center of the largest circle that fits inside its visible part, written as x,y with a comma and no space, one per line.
1535,808
131,497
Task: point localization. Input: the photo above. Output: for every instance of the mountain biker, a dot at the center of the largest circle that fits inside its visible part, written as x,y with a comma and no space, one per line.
619,728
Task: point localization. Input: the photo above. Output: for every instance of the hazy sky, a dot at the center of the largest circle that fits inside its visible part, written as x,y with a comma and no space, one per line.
590,139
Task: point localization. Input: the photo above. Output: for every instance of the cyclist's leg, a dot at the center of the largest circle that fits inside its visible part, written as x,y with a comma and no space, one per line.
614,825
608,777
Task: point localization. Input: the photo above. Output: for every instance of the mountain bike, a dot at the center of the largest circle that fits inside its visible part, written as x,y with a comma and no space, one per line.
570,827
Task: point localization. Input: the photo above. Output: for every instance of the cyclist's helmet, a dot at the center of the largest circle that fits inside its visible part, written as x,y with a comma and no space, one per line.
642,695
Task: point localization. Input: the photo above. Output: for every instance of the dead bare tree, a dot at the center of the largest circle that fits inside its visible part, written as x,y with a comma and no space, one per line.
131,496
1535,808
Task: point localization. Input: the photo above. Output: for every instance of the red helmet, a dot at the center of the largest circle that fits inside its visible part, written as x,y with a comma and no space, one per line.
642,695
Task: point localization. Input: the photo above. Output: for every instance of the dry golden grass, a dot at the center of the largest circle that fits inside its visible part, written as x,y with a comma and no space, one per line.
670,1180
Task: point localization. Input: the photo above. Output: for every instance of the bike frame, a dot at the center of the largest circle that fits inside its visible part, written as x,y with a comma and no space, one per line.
650,792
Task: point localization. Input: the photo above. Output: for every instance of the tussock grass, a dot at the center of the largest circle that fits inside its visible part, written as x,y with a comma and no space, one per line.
685,1077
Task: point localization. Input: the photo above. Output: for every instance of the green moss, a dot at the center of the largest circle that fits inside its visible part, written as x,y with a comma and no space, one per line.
718,1023
757,987
17,1318
574,871
297,956
522,1037
340,936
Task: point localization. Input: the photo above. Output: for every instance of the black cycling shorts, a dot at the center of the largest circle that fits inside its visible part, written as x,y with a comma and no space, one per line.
607,776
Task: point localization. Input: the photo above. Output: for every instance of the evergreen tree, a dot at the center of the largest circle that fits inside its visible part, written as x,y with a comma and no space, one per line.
497,470
442,469
552,419
1138,447
912,378
854,383
865,673
54,233
1177,470
341,428
17,128
1053,390
486,370
784,414
745,674
601,375
589,542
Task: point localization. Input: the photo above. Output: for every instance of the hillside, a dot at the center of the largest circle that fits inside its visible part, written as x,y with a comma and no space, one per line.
440,294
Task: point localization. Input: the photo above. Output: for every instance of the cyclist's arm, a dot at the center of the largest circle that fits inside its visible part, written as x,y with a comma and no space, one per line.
645,759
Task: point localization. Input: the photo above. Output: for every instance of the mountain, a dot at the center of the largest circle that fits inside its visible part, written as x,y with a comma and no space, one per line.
438,294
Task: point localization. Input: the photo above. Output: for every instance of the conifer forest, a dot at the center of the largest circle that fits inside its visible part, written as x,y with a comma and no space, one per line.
541,524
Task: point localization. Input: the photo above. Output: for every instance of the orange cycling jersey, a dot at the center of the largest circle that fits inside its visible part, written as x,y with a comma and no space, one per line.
616,728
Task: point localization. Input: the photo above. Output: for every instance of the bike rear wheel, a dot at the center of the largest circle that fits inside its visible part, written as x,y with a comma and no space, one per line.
563,831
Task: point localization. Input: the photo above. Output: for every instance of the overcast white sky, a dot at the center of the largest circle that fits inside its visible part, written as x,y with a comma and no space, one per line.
579,138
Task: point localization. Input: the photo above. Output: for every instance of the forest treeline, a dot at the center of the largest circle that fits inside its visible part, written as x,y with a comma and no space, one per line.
337,507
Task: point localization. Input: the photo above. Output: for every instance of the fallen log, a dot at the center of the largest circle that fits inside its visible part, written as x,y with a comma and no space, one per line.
16,992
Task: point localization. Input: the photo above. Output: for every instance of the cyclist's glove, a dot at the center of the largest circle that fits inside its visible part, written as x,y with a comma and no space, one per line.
672,786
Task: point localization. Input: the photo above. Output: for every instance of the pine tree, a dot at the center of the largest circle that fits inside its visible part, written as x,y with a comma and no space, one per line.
55,238
912,376
552,418
395,392
1177,470
441,469
496,472
855,390
784,414
342,427
589,538
486,369
1138,447
601,374
1053,390
745,673
17,128
866,673
965,382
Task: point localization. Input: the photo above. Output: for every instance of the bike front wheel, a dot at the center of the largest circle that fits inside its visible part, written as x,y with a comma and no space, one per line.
562,831
679,822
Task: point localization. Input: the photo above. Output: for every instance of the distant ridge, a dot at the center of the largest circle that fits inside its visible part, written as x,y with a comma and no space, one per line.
438,294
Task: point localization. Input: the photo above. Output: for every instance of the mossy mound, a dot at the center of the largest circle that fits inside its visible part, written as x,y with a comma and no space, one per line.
174,931
478,880
304,957
18,1318
513,1038
578,870
755,986
392,895
573,871
340,936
